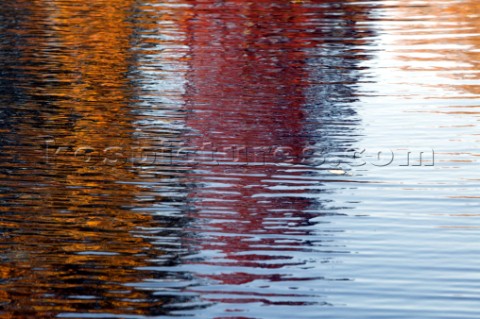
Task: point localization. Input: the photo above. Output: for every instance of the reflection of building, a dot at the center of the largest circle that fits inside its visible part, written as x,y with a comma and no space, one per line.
251,72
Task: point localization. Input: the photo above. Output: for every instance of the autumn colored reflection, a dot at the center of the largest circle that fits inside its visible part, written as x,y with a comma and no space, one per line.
445,42
66,221
252,106
165,158
440,53
98,216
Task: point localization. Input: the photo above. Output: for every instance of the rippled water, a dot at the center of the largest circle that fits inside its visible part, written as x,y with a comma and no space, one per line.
237,159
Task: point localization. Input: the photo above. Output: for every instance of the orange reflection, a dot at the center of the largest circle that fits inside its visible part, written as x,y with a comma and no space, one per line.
68,244
444,40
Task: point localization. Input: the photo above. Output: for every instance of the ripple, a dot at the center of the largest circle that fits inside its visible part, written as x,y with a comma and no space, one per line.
227,159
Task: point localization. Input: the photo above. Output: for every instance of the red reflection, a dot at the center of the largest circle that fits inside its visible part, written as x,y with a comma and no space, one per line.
246,95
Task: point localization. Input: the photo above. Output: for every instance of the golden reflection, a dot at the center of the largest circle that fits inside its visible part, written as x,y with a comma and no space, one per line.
444,39
69,227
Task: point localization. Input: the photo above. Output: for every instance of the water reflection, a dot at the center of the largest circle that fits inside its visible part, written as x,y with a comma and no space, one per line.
100,214
66,220
420,225
445,43
268,90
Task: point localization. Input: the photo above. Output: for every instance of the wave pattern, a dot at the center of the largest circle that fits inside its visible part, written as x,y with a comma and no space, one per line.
239,159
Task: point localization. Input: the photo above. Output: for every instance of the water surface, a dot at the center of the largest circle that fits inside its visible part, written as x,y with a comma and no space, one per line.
237,159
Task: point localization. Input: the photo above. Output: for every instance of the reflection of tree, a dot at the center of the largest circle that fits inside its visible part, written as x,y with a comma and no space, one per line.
251,72
67,225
